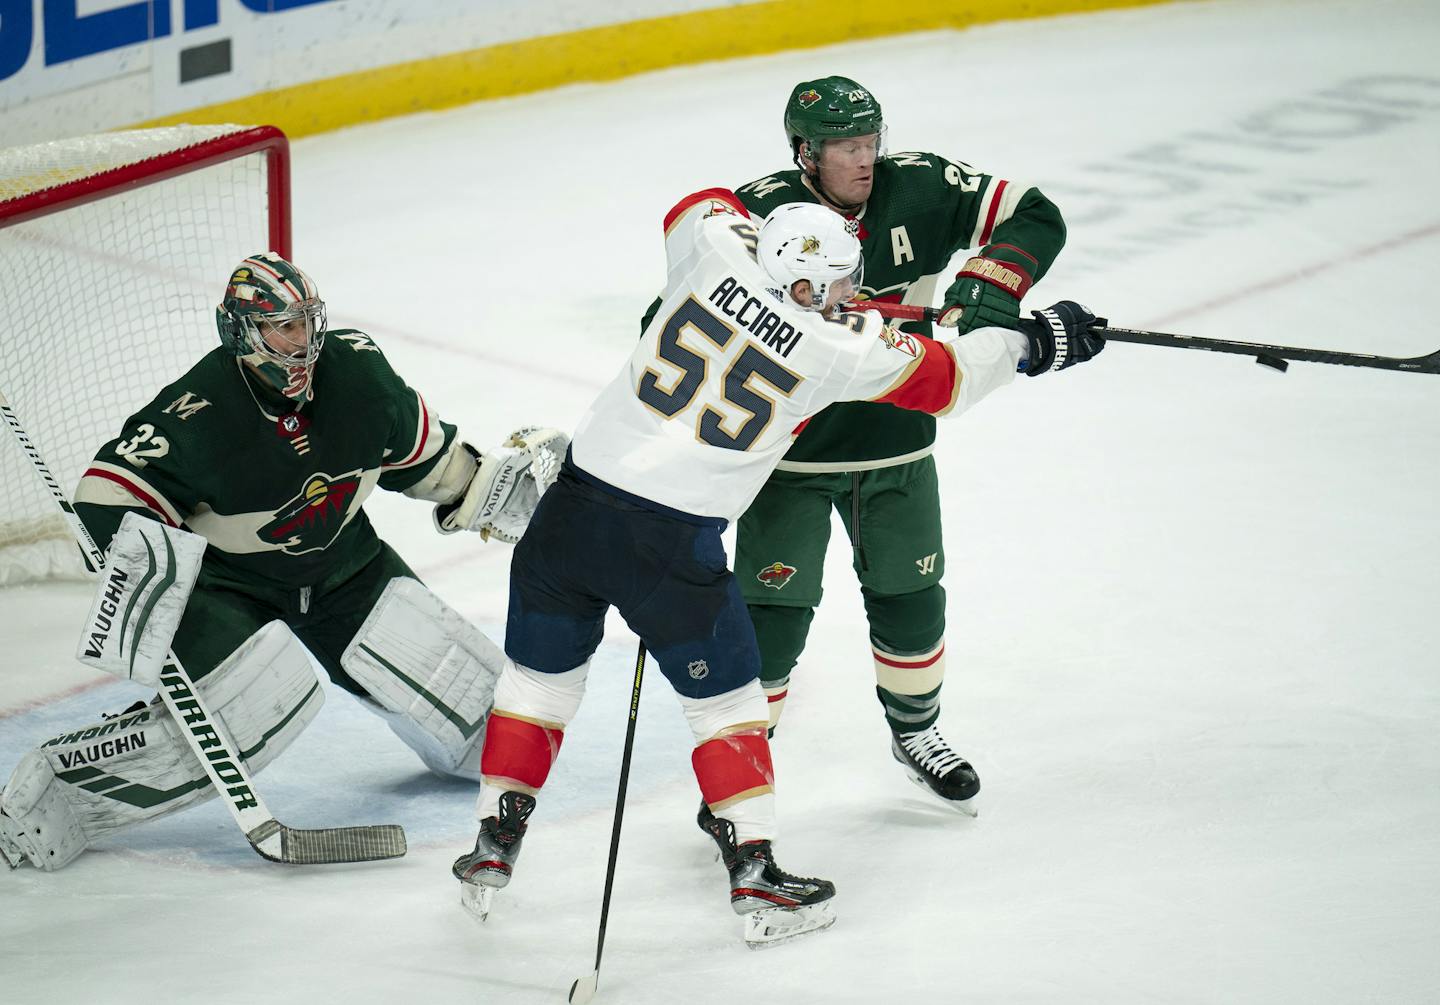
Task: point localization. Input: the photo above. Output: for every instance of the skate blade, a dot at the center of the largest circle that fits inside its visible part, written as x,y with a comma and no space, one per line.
476,900
774,925
965,807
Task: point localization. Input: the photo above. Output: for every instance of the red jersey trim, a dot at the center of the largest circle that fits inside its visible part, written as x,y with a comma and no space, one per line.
930,384
424,437
994,210
141,496
723,195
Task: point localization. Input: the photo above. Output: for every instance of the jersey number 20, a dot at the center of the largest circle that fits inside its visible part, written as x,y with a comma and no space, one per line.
752,364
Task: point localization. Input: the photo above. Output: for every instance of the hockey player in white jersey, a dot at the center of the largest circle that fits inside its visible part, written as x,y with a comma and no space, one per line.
747,344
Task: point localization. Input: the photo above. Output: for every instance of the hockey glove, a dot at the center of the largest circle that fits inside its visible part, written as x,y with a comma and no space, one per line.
506,487
1061,335
988,290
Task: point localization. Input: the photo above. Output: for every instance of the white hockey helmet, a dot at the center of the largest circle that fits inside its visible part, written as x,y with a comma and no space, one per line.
803,240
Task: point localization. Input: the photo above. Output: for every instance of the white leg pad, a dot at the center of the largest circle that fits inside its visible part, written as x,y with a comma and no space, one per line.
136,766
431,673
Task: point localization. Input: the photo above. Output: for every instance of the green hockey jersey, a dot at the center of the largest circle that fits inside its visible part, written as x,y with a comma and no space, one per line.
922,209
276,492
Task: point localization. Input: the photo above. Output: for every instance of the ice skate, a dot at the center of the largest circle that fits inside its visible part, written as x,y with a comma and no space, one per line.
776,906
486,869
932,765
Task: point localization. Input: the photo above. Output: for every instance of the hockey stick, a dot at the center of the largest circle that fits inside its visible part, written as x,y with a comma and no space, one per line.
584,987
270,838
1270,355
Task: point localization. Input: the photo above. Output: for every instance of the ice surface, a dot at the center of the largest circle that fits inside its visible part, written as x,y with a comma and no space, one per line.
1193,641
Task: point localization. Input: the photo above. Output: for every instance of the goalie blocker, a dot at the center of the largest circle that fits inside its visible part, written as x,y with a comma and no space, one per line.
150,570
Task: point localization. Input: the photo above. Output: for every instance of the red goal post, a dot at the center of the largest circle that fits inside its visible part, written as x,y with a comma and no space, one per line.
114,251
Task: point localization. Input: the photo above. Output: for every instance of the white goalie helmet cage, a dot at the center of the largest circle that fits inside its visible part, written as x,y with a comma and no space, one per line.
802,240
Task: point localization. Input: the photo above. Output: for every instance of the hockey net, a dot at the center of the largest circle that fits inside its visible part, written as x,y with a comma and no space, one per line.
114,251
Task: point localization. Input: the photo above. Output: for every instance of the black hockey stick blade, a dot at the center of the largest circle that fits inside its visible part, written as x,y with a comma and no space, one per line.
584,988
329,846
1275,355
1272,356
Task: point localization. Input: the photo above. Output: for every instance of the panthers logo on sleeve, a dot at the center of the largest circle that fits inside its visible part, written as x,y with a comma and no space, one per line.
314,518
900,341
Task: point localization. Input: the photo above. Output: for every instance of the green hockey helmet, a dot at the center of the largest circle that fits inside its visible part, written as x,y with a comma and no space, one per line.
830,108
266,301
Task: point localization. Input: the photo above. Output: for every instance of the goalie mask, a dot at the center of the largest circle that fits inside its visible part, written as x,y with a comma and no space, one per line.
273,319
801,240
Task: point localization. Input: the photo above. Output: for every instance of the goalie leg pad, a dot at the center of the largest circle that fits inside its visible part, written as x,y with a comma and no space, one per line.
82,786
431,673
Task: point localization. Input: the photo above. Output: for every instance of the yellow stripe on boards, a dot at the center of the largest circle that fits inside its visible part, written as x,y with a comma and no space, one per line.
607,53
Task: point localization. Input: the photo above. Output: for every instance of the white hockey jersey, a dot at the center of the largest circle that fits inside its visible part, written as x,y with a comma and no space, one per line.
729,370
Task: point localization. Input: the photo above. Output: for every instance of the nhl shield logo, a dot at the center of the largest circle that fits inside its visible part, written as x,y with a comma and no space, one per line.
698,669
776,575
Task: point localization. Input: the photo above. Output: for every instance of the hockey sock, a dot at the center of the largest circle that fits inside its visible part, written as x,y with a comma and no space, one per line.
780,632
732,759
525,730
908,685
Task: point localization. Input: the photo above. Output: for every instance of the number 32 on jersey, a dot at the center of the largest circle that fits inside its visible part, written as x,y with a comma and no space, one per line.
691,339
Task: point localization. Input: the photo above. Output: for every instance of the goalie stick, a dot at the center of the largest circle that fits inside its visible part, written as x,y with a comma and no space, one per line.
270,838
1270,355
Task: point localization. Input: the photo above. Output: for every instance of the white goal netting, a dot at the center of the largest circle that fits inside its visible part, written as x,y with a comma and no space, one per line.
106,301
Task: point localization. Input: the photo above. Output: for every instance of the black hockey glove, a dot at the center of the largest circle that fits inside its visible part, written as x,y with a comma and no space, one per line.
1061,335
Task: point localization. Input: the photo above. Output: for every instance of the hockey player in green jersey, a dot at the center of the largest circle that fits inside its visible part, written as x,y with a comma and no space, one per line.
872,462
264,452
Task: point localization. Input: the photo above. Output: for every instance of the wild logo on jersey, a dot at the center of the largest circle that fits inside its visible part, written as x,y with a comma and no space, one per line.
776,575
313,519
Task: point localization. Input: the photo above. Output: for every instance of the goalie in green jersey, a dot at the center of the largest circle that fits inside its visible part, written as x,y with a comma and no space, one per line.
872,462
262,455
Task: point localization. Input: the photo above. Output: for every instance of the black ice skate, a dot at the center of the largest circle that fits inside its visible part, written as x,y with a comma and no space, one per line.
486,869
776,906
931,764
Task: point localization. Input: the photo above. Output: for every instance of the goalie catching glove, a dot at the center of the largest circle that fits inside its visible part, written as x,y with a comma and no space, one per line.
1060,336
505,489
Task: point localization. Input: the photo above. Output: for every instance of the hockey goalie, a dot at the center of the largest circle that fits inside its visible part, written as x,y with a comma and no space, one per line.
232,509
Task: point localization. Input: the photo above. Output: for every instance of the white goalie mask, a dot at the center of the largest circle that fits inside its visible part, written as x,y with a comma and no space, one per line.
801,240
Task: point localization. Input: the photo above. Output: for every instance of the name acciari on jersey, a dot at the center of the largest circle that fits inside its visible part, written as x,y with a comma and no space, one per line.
728,371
